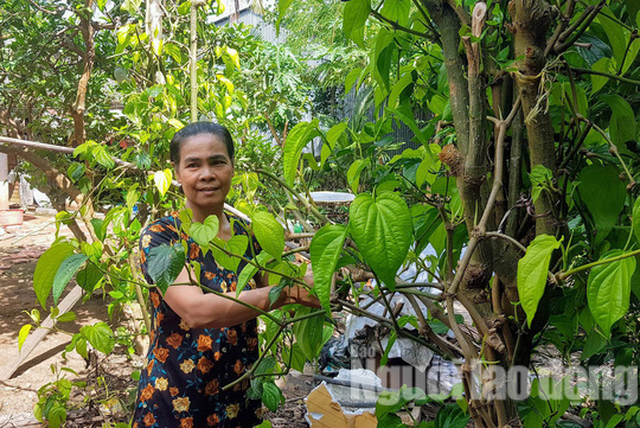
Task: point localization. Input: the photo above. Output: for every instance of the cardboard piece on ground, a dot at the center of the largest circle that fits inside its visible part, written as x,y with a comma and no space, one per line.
324,412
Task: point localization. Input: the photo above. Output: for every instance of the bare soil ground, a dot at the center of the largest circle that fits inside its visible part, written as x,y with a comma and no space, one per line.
110,389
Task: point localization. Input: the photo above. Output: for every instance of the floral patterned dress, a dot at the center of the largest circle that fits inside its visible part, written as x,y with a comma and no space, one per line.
181,385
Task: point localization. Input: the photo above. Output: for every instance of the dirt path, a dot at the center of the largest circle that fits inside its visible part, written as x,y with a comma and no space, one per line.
19,251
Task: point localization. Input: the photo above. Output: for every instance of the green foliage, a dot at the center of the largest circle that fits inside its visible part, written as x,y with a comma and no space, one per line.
67,269
325,250
533,270
165,264
50,261
381,228
269,233
609,290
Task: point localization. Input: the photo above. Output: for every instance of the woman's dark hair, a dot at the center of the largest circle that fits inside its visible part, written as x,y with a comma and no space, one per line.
198,128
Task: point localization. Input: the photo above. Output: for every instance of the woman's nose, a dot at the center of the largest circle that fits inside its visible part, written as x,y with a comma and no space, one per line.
207,173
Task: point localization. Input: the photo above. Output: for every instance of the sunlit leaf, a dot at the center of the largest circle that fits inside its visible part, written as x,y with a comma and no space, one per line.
533,270
609,290
325,250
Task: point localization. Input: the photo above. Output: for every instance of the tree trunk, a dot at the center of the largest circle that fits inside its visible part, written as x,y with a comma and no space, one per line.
79,106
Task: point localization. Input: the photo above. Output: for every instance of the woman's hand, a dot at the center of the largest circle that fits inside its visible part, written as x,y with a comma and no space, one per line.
300,295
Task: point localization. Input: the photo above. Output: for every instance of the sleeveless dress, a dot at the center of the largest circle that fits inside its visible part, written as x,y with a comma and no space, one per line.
181,384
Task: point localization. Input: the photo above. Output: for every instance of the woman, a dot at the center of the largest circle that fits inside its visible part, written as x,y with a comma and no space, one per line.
201,341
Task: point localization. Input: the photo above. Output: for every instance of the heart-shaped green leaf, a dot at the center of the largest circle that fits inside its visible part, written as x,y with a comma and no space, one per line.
203,233
165,262
325,251
228,254
609,290
382,231
533,270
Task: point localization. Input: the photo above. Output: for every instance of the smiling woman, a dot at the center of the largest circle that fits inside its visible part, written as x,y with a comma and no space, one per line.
201,341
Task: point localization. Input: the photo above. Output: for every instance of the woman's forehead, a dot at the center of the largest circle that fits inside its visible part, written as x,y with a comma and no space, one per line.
203,146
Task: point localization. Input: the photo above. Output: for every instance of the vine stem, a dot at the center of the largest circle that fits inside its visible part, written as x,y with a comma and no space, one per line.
613,147
255,366
561,276
313,210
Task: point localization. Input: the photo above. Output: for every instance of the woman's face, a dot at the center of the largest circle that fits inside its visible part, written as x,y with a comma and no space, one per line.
205,172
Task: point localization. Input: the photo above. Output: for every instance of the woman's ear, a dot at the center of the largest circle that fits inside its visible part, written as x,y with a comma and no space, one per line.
177,171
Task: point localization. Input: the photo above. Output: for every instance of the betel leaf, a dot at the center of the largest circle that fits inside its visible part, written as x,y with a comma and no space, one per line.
236,246
48,263
604,194
162,180
250,270
451,416
354,17
532,273
89,277
22,335
636,219
203,233
622,126
296,140
100,336
325,249
269,233
334,134
271,396
609,289
604,65
65,272
397,11
165,262
308,333
382,231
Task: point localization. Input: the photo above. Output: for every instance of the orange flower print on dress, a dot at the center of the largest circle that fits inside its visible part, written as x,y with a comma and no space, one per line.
186,423
175,340
173,391
252,343
204,365
155,298
150,367
213,421
181,404
162,383
160,317
149,420
217,355
232,410
233,286
232,336
184,325
156,228
194,251
204,343
209,275
147,393
212,388
187,366
238,367
161,354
